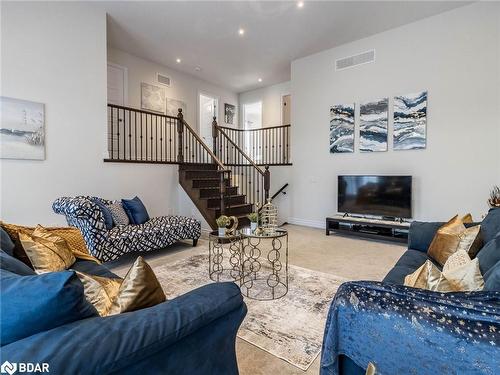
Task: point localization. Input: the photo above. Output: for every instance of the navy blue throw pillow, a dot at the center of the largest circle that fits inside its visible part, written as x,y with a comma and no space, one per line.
11,264
490,226
136,211
108,219
489,255
492,278
6,244
33,304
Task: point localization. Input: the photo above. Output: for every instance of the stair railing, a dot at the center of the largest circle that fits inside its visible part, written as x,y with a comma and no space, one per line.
139,136
253,181
265,146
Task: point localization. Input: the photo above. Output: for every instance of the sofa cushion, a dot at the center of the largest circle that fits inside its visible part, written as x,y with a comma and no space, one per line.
7,244
11,264
106,213
492,278
490,226
489,255
136,211
120,217
47,301
408,263
92,268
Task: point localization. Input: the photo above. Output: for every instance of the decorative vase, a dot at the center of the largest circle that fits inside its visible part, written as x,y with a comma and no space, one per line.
222,232
253,226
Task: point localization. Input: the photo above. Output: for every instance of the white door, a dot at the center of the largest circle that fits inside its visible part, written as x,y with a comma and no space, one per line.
117,84
285,110
208,107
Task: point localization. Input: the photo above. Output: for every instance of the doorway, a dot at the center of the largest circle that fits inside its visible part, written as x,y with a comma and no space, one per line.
117,84
285,109
207,109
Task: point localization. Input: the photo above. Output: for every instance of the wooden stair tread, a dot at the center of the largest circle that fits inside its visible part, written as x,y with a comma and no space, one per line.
232,206
225,196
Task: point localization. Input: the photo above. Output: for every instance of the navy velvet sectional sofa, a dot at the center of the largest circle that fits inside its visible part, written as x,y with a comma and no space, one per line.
405,330
192,334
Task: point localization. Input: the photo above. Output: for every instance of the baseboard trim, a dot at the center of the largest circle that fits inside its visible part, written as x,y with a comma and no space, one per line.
307,223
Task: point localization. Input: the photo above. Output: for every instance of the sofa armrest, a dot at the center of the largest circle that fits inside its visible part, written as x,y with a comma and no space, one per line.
421,234
407,330
105,345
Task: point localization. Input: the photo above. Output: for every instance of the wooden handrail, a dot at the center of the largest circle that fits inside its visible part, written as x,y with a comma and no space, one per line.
250,161
140,111
256,129
207,149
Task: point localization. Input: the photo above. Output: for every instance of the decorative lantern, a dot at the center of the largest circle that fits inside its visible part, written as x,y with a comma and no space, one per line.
269,218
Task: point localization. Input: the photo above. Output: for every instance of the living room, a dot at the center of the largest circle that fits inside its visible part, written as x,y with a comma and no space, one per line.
244,130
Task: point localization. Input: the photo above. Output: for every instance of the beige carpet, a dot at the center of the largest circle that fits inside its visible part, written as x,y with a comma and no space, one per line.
346,257
290,328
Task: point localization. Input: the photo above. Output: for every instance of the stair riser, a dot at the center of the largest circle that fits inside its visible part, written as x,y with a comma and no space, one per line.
215,191
234,211
201,174
186,167
215,203
207,183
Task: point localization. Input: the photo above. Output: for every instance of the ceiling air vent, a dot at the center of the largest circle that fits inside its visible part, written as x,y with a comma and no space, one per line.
349,62
164,80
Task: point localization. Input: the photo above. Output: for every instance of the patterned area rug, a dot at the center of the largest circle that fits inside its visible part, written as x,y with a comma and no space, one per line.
290,328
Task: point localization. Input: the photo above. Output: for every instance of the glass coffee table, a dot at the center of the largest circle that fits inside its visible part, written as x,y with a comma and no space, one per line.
265,264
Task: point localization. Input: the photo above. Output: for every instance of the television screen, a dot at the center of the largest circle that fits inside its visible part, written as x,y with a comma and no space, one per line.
375,195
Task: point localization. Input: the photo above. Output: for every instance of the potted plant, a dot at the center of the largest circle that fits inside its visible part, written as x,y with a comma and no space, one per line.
254,220
222,221
494,200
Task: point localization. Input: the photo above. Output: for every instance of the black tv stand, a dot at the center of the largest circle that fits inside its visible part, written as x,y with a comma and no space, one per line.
388,230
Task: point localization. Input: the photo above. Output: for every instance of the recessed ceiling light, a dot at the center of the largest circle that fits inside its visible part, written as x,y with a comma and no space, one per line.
197,68
260,79
241,31
300,4
178,61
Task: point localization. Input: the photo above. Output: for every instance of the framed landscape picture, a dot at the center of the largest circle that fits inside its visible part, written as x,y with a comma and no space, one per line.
22,129
229,112
152,98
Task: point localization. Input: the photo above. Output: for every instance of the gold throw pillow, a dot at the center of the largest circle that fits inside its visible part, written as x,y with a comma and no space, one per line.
453,236
47,252
460,274
72,236
100,291
140,289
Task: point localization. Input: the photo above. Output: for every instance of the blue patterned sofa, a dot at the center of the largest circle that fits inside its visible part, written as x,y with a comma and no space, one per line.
106,245
405,330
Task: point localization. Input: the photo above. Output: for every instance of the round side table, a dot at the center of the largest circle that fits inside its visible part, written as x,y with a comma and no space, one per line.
265,264
224,257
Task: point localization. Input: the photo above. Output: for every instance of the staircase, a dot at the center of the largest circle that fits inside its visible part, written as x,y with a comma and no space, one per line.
222,181
202,182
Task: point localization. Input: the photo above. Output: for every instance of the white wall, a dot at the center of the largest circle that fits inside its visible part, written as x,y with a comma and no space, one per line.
270,96
183,87
455,56
55,53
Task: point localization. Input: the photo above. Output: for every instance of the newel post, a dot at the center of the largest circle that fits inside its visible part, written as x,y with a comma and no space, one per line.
180,130
215,134
267,182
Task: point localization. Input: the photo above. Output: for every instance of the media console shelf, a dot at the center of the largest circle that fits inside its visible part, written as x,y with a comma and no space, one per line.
368,228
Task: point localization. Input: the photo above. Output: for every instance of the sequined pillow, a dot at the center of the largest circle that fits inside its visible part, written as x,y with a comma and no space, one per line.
118,213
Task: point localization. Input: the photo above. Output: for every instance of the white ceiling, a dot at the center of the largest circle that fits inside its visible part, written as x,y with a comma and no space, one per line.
205,34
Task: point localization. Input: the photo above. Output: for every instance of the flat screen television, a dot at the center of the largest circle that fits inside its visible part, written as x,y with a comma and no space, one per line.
375,195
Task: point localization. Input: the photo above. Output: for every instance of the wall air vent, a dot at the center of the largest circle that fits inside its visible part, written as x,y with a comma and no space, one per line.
351,61
164,80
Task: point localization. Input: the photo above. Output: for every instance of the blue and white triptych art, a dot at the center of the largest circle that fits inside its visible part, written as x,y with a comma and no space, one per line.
342,128
410,121
373,123
409,124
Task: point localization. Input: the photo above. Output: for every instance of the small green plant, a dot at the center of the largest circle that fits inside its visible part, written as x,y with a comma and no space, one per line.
253,217
222,221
